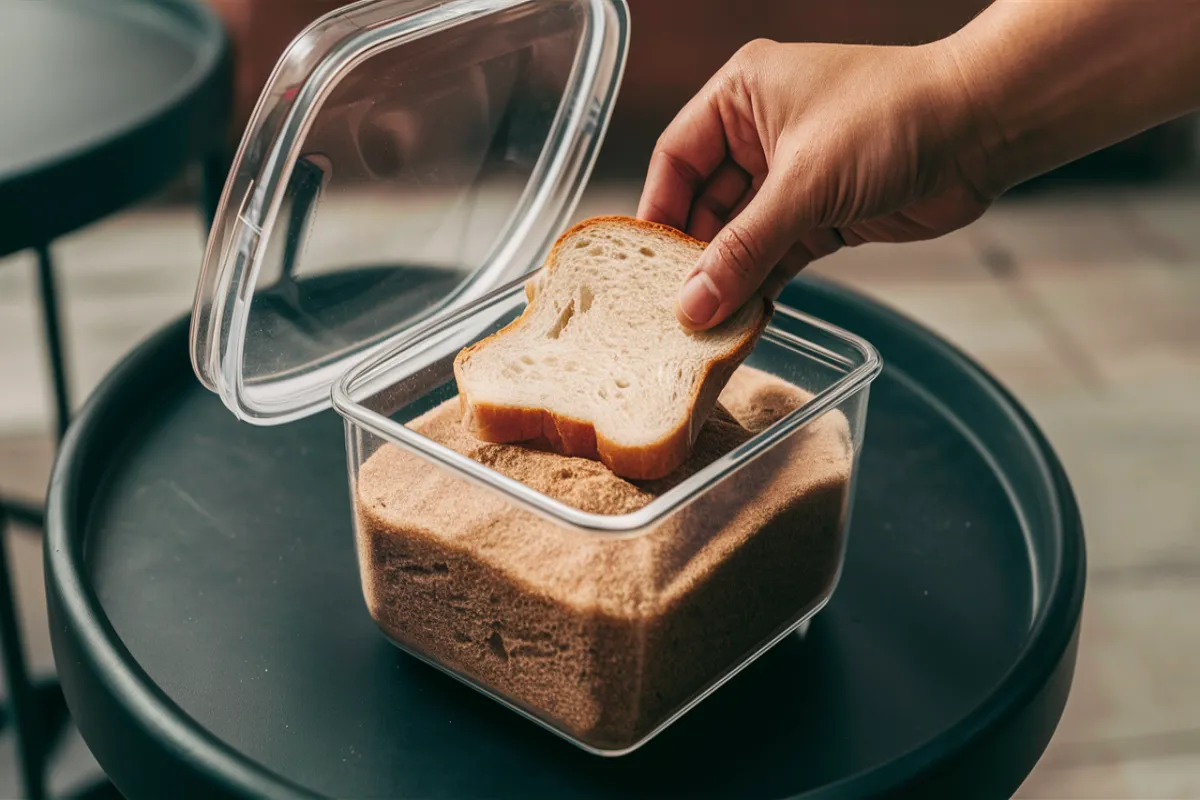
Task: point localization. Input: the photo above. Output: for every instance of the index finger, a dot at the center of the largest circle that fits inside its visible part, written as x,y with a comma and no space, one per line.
687,153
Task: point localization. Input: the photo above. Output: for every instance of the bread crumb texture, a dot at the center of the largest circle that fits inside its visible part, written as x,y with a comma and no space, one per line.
604,636
575,368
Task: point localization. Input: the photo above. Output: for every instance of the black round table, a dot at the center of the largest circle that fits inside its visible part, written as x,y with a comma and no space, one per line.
212,639
101,103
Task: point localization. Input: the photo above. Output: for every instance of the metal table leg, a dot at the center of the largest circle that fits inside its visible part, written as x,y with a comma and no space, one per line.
25,514
54,344
36,713
22,701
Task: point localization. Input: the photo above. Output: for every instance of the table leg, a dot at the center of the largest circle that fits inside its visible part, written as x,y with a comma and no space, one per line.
21,697
25,514
51,323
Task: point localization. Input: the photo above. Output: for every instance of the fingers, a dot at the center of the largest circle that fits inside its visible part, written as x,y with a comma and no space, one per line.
700,180
782,273
739,258
809,247
724,194
776,282
814,245
687,154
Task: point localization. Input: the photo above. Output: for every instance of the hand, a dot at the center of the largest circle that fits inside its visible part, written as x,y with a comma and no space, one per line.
793,151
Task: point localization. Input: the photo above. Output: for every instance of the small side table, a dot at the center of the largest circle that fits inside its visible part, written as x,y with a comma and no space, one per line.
212,640
103,103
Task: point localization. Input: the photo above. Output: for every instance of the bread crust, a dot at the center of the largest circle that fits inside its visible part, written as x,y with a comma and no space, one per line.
574,437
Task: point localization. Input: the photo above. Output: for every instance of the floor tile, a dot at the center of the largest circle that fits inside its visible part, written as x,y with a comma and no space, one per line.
1165,778
984,320
1137,690
160,246
1131,729
1123,315
118,281
17,275
1171,778
25,461
25,402
1082,232
1130,453
1165,219
954,258
25,560
1092,782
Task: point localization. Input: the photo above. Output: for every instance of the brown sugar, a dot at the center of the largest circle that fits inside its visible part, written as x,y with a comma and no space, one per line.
605,636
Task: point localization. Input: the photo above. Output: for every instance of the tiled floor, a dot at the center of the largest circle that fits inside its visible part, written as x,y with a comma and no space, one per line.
1084,305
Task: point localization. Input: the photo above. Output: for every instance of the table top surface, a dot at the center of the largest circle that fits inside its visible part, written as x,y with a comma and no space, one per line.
71,75
203,581
78,79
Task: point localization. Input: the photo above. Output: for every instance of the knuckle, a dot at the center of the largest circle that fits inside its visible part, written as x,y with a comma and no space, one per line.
732,89
755,50
745,65
738,253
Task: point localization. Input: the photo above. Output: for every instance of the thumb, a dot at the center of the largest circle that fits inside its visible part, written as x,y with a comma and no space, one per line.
734,266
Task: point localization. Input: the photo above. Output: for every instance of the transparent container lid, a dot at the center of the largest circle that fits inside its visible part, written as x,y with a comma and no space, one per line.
405,158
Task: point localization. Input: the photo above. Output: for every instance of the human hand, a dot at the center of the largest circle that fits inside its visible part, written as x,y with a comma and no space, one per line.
793,151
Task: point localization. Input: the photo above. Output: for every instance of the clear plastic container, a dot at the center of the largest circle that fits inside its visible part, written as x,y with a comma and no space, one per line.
603,627
408,167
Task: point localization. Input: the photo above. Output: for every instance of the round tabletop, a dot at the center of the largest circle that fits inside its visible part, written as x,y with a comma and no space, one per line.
102,102
212,639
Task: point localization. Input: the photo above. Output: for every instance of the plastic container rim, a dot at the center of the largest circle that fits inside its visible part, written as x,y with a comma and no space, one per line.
854,381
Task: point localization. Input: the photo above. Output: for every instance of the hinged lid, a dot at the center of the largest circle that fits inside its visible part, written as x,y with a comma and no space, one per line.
405,157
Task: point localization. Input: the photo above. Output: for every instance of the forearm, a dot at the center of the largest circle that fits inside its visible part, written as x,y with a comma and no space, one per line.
1049,81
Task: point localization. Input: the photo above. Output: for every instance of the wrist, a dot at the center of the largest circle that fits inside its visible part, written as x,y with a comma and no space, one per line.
971,127
1042,84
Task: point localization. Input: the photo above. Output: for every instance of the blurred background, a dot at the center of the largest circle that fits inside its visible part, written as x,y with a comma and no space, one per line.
1079,291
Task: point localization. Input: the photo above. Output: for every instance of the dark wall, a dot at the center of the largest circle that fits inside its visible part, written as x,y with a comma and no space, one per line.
678,44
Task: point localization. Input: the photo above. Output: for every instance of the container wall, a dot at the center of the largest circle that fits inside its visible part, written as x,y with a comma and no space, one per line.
603,638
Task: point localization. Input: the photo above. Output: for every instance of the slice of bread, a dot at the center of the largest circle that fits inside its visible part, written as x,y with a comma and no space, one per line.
598,366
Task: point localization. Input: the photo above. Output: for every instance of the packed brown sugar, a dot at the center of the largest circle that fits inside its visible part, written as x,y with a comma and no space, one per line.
604,636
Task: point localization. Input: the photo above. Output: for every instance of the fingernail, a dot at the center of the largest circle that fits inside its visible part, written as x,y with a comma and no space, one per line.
698,299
